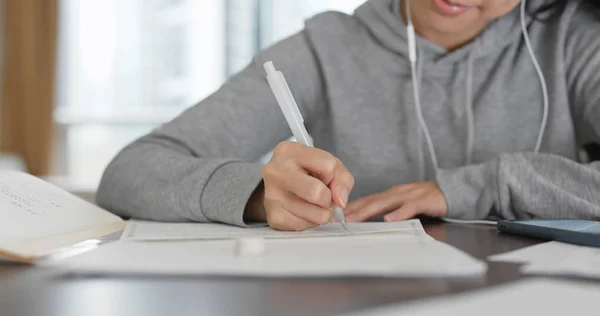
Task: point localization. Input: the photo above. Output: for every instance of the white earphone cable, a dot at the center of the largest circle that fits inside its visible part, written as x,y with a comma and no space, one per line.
413,55
474,222
538,69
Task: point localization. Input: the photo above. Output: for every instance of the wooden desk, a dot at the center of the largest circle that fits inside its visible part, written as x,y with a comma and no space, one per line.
35,291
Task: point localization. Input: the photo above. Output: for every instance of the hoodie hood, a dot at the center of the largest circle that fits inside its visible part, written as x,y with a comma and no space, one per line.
385,23
384,20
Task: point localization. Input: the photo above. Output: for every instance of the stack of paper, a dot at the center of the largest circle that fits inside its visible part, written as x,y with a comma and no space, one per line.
529,297
370,249
555,258
147,231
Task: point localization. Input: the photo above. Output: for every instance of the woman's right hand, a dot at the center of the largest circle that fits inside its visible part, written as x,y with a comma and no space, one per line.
301,184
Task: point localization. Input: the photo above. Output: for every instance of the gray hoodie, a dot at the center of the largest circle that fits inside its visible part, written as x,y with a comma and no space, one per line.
352,81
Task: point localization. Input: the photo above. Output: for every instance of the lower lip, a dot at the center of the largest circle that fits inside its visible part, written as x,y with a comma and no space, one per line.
450,9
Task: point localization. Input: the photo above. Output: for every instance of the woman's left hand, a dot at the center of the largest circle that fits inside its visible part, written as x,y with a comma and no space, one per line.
401,202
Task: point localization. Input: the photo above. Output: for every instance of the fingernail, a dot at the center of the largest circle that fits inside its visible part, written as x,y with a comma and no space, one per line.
343,197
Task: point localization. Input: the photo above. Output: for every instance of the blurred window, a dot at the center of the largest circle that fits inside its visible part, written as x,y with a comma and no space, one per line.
126,66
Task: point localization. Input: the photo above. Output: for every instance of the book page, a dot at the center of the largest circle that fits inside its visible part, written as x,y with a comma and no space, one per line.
140,230
32,209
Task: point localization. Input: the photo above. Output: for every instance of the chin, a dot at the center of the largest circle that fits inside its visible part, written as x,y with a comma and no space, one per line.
445,25
448,28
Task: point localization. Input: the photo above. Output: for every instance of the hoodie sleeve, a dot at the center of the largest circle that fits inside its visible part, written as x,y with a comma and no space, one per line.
529,185
523,186
202,165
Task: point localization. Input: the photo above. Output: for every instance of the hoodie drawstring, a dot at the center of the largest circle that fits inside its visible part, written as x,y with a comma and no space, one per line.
469,108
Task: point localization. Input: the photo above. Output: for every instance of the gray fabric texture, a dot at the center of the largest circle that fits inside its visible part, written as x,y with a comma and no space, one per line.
351,78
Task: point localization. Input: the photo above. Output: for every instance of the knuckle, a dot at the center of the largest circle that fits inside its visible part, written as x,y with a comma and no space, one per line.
284,148
375,206
323,217
319,194
415,205
276,169
330,163
288,164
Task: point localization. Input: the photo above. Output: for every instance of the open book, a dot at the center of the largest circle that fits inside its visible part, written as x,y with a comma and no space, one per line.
37,218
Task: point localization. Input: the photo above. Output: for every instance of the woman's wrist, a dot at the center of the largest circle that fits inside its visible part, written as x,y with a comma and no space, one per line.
255,208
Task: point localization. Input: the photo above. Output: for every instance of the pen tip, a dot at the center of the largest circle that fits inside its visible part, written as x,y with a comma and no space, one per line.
344,225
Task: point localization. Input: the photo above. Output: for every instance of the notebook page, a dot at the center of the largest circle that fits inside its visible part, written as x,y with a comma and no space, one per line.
32,209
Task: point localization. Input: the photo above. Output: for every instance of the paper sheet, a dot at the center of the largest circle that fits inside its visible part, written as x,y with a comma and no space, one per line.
555,258
580,262
544,252
528,297
140,231
391,254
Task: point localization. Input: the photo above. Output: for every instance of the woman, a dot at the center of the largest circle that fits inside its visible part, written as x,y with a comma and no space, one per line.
489,144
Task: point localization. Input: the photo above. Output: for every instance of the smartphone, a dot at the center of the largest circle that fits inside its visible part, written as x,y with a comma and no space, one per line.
579,232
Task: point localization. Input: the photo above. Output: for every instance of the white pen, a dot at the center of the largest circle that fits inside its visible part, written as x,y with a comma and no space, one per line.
292,114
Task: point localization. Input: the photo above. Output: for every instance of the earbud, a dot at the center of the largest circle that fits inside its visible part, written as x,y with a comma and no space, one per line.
413,56
412,38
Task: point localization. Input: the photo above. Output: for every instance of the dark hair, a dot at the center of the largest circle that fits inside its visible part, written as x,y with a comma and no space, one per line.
556,7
